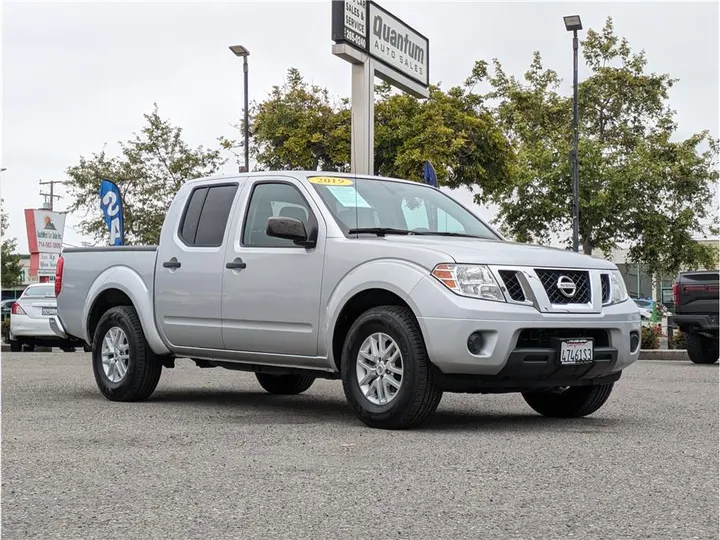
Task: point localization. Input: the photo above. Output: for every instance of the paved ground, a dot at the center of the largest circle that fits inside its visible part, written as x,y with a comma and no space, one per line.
211,456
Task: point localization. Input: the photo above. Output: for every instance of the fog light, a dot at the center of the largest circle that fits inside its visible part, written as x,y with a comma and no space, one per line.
475,343
634,341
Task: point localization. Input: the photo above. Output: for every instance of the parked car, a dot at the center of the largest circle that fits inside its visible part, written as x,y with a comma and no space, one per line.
30,320
696,313
6,308
389,285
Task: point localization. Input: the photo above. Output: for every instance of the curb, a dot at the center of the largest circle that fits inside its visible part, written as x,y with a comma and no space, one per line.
678,355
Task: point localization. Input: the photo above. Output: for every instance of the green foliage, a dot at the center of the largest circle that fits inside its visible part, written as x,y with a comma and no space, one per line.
149,171
300,127
638,184
5,330
650,338
678,340
11,265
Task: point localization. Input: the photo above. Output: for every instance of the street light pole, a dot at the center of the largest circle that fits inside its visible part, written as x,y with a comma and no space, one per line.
573,23
239,50
247,127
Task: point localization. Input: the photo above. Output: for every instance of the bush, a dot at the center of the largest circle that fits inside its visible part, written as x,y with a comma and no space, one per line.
6,330
650,337
678,340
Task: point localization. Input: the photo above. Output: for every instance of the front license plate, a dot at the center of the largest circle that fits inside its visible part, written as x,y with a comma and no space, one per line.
576,351
49,311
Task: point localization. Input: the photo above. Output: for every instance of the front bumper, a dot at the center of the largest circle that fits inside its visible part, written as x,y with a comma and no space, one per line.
449,320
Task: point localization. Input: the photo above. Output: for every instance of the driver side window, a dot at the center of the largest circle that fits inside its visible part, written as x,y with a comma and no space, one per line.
273,200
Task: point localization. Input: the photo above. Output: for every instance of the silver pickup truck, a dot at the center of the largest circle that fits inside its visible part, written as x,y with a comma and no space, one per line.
389,285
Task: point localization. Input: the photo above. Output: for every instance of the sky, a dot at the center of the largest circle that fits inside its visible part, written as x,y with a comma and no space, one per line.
78,76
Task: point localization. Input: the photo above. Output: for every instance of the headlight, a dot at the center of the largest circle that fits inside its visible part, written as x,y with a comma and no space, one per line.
471,280
617,288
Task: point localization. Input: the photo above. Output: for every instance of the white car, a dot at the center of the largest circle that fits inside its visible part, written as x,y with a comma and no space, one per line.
30,319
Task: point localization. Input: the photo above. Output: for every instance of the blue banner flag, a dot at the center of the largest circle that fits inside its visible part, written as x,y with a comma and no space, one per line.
112,208
429,174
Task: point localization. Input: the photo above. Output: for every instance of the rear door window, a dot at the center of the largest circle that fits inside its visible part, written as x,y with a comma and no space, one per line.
206,215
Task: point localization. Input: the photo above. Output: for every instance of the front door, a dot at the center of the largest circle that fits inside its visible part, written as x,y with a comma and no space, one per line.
189,267
271,304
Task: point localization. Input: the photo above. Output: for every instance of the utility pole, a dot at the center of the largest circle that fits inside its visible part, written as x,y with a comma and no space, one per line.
50,195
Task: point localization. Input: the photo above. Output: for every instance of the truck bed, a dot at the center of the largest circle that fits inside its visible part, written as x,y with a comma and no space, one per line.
697,293
86,268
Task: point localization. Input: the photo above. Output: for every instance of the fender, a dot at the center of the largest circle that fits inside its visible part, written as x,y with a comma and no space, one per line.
127,280
395,275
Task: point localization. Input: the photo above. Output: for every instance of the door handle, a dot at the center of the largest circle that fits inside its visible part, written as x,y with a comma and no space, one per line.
172,263
237,264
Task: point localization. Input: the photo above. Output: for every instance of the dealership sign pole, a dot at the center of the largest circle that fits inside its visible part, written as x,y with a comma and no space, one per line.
376,43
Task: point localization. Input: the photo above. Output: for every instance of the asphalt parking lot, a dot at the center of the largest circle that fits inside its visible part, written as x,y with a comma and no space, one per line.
212,456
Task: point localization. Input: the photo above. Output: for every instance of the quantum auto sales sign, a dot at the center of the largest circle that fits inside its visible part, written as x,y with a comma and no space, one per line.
377,32
45,230
398,45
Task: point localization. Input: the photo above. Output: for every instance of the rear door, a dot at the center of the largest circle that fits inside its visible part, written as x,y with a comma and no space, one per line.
189,269
39,302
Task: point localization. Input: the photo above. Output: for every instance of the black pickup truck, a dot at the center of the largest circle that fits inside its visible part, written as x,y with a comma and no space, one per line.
696,313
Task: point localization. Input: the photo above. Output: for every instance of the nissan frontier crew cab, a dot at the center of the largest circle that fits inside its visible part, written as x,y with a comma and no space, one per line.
389,285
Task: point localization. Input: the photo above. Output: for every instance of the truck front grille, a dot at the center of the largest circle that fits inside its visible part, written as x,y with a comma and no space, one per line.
512,284
541,338
552,279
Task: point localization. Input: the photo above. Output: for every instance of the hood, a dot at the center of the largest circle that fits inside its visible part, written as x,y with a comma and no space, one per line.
496,252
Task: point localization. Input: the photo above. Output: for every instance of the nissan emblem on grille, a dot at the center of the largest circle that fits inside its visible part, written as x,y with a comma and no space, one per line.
566,286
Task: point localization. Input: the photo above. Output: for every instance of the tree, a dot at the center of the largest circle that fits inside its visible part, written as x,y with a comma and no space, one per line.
11,266
637,183
150,170
300,127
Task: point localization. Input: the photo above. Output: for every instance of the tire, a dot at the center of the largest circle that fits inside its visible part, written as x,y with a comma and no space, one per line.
572,402
285,384
143,367
417,396
701,349
15,346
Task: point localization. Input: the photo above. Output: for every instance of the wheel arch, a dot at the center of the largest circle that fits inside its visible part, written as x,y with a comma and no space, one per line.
373,284
122,286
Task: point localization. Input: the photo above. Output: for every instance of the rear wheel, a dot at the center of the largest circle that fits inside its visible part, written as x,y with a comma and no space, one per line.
386,371
125,367
570,402
285,384
701,349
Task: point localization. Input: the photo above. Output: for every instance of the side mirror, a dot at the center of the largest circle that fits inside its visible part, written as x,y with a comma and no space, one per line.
289,229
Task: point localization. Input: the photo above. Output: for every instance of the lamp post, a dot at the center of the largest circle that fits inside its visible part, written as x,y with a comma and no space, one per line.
239,50
573,24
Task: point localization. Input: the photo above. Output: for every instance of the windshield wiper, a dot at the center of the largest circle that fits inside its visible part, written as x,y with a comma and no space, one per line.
380,231
438,233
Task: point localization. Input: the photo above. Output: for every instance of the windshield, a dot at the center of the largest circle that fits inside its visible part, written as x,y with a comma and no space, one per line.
396,206
43,291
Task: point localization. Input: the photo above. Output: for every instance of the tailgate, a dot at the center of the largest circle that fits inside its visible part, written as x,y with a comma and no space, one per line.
698,292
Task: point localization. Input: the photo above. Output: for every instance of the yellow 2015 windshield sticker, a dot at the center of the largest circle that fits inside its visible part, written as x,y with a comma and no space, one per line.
330,181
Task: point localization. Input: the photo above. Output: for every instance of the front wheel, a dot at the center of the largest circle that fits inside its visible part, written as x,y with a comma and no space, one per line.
570,402
125,367
285,384
701,349
386,373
